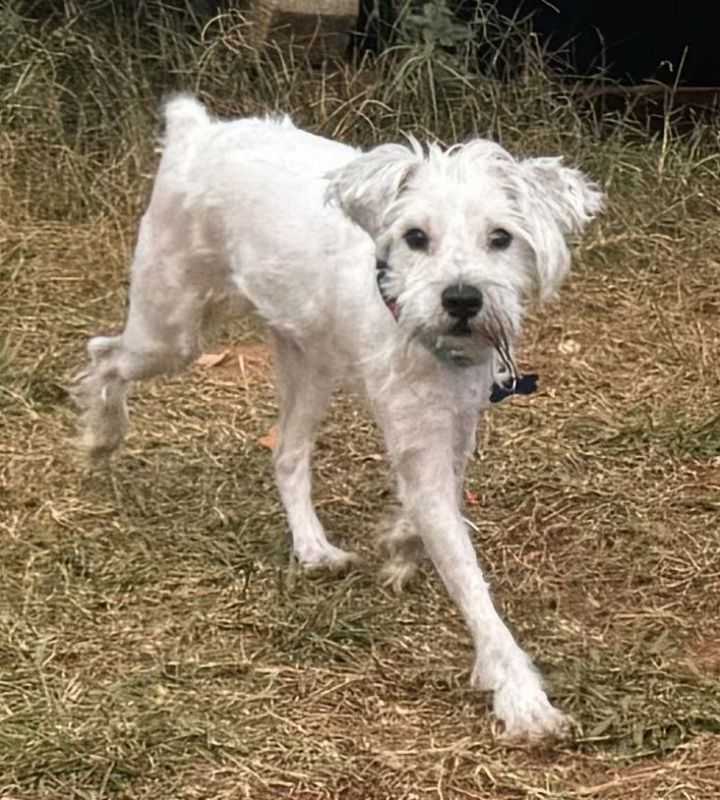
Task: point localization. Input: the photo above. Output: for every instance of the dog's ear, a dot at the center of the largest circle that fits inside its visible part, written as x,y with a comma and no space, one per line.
366,186
559,201
569,196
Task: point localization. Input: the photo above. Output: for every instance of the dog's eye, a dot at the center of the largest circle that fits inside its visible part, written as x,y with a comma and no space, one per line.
500,239
416,239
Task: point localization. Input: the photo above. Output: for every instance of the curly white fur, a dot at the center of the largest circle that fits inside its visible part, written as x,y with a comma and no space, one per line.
289,225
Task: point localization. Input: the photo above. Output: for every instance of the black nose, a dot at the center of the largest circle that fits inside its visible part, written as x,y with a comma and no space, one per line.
461,301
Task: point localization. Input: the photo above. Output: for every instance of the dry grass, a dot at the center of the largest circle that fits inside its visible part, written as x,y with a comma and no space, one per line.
156,641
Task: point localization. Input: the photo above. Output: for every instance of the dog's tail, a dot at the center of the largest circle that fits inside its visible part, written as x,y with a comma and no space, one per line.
183,115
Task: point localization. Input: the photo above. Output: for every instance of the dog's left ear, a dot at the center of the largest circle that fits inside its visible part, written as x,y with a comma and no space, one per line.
568,195
366,186
561,201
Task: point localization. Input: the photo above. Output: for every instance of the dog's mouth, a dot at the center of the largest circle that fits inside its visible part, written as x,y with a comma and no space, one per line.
461,328
489,330
381,279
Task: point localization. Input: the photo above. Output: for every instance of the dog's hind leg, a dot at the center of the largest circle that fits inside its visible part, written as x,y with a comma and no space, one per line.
404,548
305,392
115,362
100,394
399,536
160,337
400,542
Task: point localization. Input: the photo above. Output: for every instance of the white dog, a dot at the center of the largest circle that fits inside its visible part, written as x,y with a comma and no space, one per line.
402,270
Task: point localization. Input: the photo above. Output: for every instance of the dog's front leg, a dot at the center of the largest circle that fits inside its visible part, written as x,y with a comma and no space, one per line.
429,473
305,391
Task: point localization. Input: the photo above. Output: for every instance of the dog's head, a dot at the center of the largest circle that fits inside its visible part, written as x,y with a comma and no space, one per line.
465,236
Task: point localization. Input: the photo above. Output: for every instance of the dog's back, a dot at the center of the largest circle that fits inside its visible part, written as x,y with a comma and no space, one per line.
190,130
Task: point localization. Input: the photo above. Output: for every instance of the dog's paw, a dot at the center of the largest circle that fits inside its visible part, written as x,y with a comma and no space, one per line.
397,573
398,539
328,558
525,714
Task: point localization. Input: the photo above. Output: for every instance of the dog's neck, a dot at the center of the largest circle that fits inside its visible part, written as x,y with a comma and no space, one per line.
514,383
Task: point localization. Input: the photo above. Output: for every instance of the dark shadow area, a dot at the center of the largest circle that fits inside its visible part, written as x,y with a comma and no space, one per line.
631,42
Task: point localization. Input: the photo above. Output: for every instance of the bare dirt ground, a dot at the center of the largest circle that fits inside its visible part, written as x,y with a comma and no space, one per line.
156,640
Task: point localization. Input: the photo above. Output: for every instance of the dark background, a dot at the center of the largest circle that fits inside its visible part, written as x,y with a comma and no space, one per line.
632,41
637,40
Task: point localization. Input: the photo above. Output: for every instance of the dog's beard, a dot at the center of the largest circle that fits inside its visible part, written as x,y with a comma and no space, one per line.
500,331
494,328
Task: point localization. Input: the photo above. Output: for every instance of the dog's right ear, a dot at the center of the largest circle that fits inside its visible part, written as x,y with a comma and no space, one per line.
366,186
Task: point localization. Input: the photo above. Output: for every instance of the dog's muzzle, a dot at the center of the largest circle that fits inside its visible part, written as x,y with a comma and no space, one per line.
462,302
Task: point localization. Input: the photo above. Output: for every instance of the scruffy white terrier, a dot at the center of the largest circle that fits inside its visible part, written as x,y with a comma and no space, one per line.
404,271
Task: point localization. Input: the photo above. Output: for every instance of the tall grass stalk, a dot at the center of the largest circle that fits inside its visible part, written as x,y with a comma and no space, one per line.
81,90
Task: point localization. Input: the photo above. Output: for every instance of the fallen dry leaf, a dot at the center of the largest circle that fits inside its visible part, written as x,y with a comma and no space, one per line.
705,660
471,497
270,439
212,359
